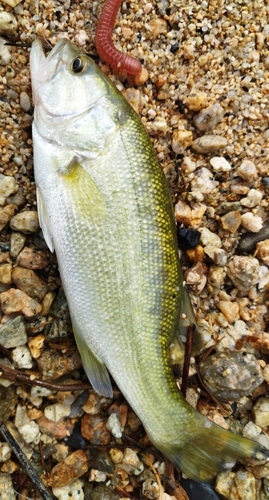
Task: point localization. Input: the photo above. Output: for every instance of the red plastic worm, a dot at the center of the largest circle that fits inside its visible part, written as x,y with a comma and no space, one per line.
103,41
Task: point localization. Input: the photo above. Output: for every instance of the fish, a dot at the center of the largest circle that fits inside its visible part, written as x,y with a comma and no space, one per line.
105,209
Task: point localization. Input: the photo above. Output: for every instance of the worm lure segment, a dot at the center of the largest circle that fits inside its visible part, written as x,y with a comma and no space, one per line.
104,45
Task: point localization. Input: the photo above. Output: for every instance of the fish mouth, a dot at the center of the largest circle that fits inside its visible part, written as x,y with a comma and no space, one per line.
44,68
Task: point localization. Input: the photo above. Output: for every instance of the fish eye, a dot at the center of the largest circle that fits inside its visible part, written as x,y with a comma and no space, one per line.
78,65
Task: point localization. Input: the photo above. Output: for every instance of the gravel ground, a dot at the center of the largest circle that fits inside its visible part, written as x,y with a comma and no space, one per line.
203,98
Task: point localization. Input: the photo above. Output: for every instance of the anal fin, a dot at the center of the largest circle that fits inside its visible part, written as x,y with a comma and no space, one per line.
95,370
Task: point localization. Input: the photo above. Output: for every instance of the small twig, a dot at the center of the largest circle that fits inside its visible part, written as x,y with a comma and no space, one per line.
25,463
187,359
156,475
16,376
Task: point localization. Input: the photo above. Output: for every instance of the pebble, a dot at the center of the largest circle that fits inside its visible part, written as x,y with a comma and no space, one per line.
248,241
236,485
6,487
8,401
114,426
134,97
247,171
158,27
57,430
243,271
238,188
6,274
181,140
220,164
28,281
151,489
5,55
196,101
53,364
25,102
22,357
57,411
189,216
31,258
216,276
93,404
231,221
261,412
208,238
209,144
93,428
5,452
8,23
229,309
251,222
130,461
47,303
26,222
17,241
73,491
203,182
17,301
97,476
104,492
8,186
253,198
6,214
13,333
36,345
71,468
231,375
209,117
196,278
262,251
30,432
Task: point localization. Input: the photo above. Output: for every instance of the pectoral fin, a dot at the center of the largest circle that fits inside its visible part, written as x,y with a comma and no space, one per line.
94,368
44,221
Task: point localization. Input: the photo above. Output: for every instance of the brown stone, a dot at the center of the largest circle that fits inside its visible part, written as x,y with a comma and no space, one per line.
93,428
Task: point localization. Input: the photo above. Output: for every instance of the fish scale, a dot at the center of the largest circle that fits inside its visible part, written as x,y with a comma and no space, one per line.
104,206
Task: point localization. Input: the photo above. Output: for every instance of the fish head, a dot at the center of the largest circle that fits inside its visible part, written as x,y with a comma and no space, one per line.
76,105
66,82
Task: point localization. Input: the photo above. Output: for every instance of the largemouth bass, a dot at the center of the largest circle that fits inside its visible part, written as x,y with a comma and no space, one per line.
105,209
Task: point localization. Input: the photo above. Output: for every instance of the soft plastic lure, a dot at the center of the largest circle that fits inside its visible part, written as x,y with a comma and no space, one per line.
104,45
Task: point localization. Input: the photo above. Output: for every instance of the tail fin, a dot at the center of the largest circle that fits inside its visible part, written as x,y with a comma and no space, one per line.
214,450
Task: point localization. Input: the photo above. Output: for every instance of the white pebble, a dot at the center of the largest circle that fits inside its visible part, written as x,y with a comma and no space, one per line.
57,411
5,452
203,181
30,432
5,55
73,491
220,164
188,166
22,357
209,117
21,417
209,238
6,487
8,186
261,412
114,426
251,222
253,198
97,476
8,23
247,171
